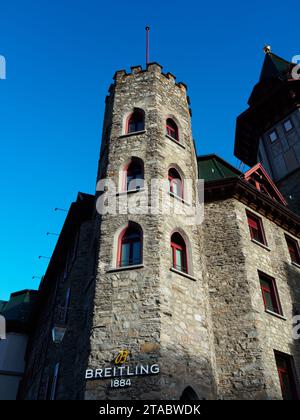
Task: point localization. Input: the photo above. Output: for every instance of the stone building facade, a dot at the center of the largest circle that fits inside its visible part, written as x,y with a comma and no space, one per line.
173,309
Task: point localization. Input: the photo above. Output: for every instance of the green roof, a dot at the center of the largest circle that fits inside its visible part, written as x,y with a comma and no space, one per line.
212,168
274,66
19,309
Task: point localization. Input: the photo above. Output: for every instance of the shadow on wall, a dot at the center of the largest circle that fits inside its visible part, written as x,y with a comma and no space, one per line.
293,276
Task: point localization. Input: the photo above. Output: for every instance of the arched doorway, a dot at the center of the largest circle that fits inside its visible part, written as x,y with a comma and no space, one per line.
189,395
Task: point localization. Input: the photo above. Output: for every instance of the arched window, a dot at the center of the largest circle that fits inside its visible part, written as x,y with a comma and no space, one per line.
175,182
134,179
136,121
130,246
172,129
179,253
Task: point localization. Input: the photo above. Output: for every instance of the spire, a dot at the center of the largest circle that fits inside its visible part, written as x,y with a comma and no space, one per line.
274,66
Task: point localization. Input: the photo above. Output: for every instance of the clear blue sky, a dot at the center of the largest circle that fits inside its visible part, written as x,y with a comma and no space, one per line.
61,56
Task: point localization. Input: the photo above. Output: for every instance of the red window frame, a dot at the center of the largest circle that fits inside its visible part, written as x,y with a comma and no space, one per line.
284,364
175,246
137,169
172,129
137,119
175,178
270,289
294,249
130,241
256,228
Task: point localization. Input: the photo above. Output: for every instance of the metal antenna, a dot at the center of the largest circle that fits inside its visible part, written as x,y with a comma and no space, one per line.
147,43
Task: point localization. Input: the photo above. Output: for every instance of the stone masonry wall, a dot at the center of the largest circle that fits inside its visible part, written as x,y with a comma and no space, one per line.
72,353
158,315
274,333
245,335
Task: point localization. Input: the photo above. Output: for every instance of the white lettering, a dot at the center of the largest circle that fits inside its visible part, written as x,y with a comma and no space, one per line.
98,373
154,369
89,374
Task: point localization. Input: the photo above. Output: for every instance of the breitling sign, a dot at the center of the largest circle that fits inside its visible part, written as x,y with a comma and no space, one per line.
121,374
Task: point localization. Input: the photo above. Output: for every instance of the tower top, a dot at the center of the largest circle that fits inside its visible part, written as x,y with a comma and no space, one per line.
155,68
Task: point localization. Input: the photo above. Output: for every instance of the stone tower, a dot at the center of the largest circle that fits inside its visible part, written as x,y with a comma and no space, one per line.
150,297
269,130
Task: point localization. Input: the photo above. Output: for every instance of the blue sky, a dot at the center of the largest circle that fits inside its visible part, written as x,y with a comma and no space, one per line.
61,56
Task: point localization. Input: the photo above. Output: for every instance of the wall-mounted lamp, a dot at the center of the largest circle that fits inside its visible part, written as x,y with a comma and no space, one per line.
58,334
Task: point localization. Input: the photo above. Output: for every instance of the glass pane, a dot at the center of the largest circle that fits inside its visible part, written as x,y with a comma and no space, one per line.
125,255
273,136
288,125
287,390
136,253
269,302
265,284
178,259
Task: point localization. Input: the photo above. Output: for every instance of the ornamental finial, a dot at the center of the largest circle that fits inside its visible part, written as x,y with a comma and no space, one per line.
267,49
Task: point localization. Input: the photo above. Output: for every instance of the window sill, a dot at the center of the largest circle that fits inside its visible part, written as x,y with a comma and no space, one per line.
260,244
183,274
296,264
275,314
177,197
135,133
128,267
130,191
175,141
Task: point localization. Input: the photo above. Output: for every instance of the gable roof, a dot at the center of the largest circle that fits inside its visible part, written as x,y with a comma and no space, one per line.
259,177
212,167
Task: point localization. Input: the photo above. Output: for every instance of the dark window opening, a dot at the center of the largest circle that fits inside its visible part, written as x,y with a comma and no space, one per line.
293,250
256,228
134,175
175,182
270,294
172,129
179,253
136,122
286,375
130,246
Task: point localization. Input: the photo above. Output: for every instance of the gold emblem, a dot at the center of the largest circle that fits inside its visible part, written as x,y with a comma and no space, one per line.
122,357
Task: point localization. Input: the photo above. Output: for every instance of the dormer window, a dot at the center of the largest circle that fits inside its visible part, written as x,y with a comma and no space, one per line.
288,125
273,136
172,129
136,121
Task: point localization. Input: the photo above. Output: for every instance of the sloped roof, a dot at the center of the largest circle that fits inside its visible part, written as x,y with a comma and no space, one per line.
212,167
274,66
270,101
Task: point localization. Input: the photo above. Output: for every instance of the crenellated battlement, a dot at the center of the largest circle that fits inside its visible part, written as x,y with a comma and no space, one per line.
155,68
